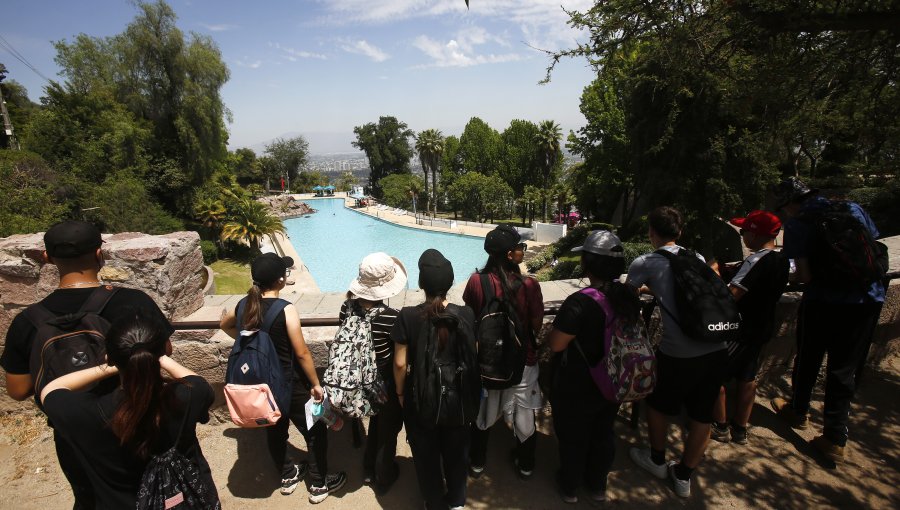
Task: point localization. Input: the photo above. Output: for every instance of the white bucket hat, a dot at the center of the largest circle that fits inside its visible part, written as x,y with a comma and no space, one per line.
380,277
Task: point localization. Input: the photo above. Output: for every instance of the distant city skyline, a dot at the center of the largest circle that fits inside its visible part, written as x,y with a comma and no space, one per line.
321,67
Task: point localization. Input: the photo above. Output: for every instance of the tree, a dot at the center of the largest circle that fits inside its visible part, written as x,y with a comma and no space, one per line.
479,148
519,157
386,146
123,204
307,180
170,84
399,190
547,141
244,165
249,221
286,158
480,196
430,146
210,212
28,187
346,181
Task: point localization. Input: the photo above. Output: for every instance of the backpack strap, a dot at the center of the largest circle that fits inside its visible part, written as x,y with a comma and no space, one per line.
487,288
601,301
670,257
272,313
39,314
187,412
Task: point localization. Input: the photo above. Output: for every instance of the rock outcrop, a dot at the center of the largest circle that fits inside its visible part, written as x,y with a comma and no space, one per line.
285,206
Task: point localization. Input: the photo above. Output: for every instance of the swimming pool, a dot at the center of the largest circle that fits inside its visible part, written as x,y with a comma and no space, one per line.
334,240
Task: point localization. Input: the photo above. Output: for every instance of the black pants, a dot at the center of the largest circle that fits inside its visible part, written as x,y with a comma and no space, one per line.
316,441
82,489
525,450
437,450
587,444
844,332
381,440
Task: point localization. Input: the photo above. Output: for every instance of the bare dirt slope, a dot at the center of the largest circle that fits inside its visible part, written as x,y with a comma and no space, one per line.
777,470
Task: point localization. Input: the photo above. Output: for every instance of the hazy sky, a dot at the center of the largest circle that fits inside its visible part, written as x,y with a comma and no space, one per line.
321,67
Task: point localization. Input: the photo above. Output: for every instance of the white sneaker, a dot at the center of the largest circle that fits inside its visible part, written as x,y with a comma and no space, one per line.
682,487
641,457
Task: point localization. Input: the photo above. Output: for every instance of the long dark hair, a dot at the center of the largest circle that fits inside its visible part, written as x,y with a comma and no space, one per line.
253,313
506,271
433,312
134,344
625,304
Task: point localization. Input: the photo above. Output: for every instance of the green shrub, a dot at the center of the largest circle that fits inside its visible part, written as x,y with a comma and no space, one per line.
210,252
603,226
635,250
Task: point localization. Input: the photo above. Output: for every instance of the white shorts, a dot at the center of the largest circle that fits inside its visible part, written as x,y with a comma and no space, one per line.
516,404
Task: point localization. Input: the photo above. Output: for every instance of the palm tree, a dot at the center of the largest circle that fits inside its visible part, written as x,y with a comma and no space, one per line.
430,146
547,141
209,212
250,221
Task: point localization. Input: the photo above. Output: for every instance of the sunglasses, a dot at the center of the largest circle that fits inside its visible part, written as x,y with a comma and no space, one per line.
521,247
287,272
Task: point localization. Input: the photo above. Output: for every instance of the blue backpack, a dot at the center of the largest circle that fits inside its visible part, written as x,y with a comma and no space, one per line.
254,360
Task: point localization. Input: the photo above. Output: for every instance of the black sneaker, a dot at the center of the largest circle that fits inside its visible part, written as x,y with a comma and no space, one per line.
333,482
739,435
290,482
719,433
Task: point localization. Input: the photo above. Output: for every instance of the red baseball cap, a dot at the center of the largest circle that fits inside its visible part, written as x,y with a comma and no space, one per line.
763,223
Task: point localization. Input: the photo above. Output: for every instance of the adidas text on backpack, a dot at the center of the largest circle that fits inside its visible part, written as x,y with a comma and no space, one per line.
70,342
256,390
352,380
706,310
627,370
171,480
446,384
501,351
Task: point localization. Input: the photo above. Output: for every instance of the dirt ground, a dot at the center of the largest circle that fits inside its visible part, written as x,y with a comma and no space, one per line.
776,470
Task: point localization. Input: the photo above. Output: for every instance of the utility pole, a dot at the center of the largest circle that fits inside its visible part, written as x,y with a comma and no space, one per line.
7,124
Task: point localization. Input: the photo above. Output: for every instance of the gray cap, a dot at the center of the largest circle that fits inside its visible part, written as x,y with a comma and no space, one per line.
602,242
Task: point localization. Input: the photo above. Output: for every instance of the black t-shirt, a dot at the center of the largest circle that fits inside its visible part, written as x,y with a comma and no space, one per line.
581,316
411,319
764,276
82,418
279,334
20,336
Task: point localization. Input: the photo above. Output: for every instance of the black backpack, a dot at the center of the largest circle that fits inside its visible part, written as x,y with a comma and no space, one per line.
171,480
501,348
446,384
706,309
70,342
254,360
843,254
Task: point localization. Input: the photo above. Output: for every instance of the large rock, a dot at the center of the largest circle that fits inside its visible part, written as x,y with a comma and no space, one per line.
168,267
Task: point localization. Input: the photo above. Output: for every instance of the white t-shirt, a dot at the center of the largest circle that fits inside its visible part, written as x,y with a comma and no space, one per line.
652,270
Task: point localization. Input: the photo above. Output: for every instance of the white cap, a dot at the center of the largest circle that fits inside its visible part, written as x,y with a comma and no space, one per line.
602,242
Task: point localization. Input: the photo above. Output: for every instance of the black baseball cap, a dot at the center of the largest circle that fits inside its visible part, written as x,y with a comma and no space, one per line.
269,267
435,272
501,240
71,239
790,190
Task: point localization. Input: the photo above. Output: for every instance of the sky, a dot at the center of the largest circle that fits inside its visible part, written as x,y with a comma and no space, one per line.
321,67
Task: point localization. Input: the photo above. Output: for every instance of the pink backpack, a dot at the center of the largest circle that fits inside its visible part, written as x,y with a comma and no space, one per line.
251,405
627,370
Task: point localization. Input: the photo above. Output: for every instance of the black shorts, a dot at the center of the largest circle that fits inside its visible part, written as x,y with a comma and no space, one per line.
692,383
743,364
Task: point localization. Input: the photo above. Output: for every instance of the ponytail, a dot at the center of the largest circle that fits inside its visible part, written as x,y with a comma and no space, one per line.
133,345
433,309
253,318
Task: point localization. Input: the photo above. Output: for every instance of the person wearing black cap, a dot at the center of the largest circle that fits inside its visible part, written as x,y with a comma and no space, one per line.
74,247
440,453
833,318
518,403
269,272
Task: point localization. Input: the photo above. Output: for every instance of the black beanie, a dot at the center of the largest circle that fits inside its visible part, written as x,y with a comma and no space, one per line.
435,272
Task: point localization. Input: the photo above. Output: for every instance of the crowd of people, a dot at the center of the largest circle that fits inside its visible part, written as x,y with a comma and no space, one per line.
446,372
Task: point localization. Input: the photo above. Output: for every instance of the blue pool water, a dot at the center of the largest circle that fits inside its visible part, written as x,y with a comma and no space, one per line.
334,240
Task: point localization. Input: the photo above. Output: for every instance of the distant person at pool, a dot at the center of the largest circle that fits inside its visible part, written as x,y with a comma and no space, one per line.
438,383
269,272
380,277
511,390
114,435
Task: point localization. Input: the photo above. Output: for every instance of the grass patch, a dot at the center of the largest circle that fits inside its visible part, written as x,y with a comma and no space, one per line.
231,277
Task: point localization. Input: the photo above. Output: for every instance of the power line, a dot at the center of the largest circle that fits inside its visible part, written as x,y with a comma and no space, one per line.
21,58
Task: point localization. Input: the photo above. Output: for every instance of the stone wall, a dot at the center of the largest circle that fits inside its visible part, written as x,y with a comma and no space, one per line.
169,268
